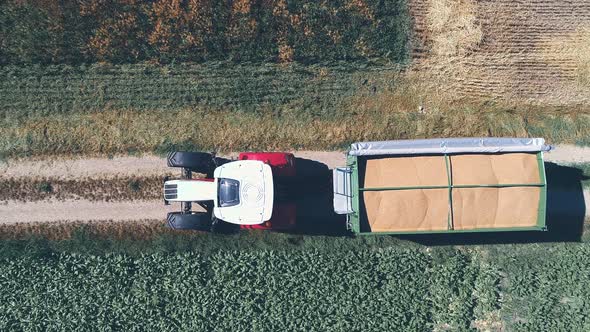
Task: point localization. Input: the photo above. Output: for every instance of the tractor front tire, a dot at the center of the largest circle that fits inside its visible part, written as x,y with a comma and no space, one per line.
199,221
199,162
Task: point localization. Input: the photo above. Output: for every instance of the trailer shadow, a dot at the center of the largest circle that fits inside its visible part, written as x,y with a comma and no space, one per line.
566,210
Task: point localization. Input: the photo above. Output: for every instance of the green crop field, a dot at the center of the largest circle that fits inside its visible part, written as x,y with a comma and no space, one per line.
213,283
28,91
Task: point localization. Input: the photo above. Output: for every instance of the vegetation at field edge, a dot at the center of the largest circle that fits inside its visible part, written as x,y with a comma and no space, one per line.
268,281
117,188
108,110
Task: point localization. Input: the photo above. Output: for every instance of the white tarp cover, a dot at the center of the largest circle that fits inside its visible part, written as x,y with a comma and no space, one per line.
448,146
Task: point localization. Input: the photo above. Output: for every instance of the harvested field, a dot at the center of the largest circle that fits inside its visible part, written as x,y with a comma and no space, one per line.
535,51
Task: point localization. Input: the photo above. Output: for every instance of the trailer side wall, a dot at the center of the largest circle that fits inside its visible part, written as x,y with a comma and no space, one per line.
449,193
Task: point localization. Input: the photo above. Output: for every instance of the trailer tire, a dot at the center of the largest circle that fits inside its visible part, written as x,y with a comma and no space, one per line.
199,162
199,221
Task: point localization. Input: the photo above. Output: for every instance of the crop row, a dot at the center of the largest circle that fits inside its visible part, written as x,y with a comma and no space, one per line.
514,287
46,90
120,31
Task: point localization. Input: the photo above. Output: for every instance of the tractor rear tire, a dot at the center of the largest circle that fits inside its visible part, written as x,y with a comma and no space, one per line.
199,221
199,162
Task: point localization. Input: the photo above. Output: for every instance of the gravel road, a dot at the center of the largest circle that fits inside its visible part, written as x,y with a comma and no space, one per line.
84,210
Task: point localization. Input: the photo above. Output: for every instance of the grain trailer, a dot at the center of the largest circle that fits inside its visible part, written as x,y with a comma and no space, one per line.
443,186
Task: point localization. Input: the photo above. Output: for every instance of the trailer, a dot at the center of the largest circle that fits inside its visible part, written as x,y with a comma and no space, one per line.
449,185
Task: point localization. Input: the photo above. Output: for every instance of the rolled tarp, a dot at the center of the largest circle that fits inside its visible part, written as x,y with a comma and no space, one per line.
448,146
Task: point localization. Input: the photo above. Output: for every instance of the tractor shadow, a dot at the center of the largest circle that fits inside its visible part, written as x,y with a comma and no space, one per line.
312,194
566,210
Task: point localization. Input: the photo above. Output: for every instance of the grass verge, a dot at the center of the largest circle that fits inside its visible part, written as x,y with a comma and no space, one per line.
106,109
93,189
124,132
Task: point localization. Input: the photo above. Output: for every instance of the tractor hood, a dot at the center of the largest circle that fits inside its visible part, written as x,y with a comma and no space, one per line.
189,190
244,192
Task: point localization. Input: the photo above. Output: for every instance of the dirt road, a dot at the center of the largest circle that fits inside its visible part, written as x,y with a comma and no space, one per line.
118,206
81,210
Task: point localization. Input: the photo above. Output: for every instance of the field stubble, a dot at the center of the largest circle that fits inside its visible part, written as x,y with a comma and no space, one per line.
532,51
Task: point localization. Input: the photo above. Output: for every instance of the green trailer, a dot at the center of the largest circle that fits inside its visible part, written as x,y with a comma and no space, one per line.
443,186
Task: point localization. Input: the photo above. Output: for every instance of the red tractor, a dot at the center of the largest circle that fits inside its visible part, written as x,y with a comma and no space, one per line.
243,193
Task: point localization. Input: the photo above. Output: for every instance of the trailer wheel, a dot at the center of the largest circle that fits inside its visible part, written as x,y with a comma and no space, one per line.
199,221
200,162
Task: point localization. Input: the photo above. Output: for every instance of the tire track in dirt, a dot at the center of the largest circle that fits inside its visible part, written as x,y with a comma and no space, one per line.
150,165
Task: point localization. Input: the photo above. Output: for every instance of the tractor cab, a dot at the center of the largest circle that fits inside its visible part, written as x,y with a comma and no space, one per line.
245,192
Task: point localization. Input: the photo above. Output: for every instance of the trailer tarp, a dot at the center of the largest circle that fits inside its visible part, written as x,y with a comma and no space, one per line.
448,146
